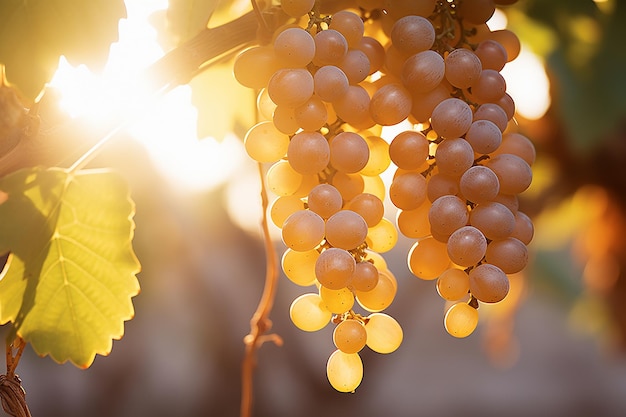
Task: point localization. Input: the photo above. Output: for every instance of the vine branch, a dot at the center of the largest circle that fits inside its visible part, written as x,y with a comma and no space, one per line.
260,323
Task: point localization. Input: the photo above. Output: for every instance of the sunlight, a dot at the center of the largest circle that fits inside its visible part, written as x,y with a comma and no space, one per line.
167,127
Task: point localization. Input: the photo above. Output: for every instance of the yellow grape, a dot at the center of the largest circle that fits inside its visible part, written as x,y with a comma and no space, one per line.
374,185
303,230
390,104
350,336
346,229
409,149
350,25
453,284
295,47
413,34
460,320
254,67
290,87
379,159
428,258
344,371
334,268
308,152
488,283
283,207
365,276
414,223
325,200
382,237
337,301
408,190
381,296
348,152
384,334
299,267
349,185
265,143
369,206
282,179
309,313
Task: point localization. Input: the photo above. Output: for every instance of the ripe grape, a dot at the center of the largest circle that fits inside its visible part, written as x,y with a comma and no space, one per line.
408,190
303,230
451,118
479,184
390,104
428,258
295,47
409,149
350,336
325,200
453,284
309,313
290,87
509,254
382,237
365,276
423,71
330,83
346,229
265,143
299,267
369,206
348,152
461,320
488,283
308,152
412,34
384,334
462,68
467,246
344,371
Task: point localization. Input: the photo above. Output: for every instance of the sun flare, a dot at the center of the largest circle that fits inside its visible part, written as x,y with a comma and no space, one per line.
167,126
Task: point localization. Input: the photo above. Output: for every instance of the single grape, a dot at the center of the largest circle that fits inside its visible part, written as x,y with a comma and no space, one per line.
454,157
409,149
462,68
514,174
265,143
290,87
451,118
461,320
369,206
509,254
355,65
350,336
379,159
390,104
365,276
334,268
524,229
440,185
453,284
423,71
283,207
303,230
254,67
308,152
312,115
381,296
447,214
488,283
299,267
428,258
350,25
325,200
484,136
282,179
408,190
337,301
309,313
467,246
494,219
346,229
490,87
349,185
295,47
330,83
384,334
375,52
344,371
330,47
382,237
414,223
492,54
479,184
412,34
348,152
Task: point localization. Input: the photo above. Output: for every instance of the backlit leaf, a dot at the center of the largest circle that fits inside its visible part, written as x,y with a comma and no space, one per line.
71,274
35,33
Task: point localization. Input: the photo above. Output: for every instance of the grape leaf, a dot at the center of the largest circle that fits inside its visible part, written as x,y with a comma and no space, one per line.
71,273
35,33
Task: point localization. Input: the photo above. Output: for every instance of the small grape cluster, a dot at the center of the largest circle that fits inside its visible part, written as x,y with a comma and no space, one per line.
327,84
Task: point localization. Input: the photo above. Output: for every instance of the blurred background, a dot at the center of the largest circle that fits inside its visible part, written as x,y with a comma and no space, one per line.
557,349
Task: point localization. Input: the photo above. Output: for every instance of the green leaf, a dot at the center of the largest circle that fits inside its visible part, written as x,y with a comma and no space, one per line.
71,274
35,33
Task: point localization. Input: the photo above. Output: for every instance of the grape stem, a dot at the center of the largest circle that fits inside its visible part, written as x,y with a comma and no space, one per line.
260,323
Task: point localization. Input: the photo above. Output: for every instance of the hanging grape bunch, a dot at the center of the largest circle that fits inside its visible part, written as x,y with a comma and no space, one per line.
328,81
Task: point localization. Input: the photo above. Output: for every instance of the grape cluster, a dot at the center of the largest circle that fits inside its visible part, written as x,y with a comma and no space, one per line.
328,81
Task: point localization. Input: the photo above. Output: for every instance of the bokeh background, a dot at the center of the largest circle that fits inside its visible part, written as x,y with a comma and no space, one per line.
558,350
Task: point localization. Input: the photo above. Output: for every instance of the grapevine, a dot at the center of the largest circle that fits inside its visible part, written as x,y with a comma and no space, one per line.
328,81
